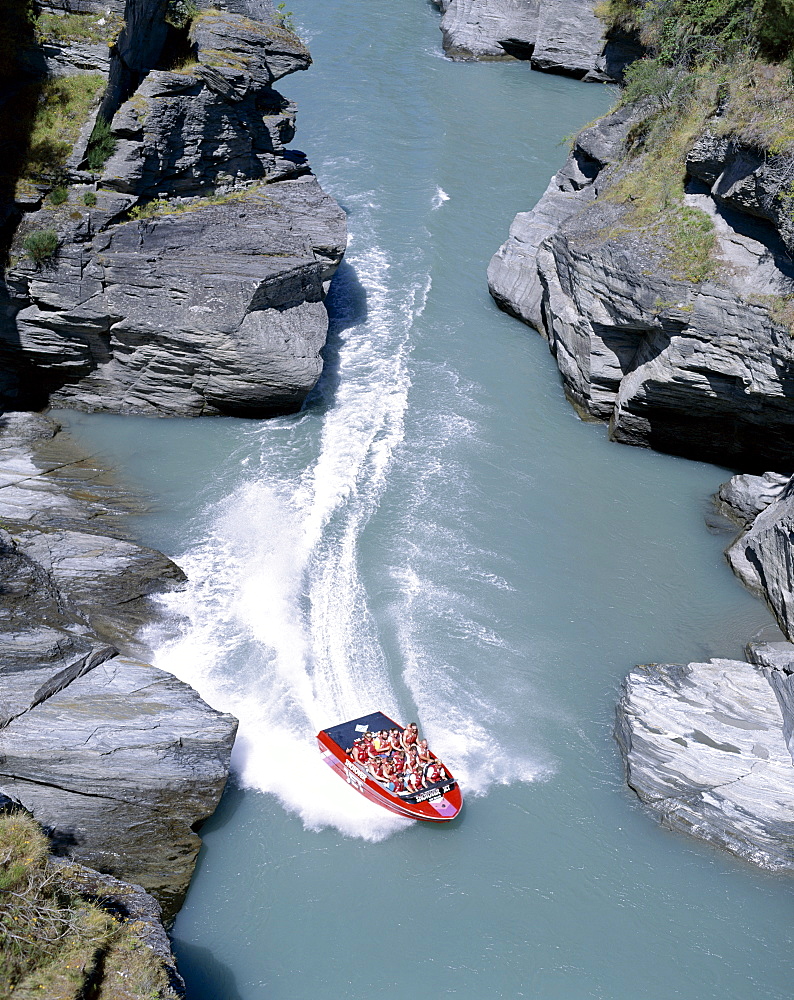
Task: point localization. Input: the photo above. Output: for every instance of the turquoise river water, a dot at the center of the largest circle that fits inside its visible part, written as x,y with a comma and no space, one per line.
438,536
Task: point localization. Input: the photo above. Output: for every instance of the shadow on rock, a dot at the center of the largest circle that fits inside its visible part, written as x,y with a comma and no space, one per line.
346,303
231,801
205,977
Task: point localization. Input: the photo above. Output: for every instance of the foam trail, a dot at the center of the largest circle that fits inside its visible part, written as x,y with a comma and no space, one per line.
455,660
276,624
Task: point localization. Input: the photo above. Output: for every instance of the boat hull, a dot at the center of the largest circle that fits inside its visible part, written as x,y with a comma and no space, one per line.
437,804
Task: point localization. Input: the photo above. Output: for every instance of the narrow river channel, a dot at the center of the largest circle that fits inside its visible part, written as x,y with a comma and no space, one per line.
438,536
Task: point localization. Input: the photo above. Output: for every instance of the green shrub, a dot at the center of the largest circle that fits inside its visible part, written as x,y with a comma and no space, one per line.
101,145
59,195
89,198
687,32
41,245
180,13
284,17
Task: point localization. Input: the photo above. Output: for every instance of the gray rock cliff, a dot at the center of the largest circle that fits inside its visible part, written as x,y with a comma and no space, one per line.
696,368
763,557
709,747
556,37
776,660
191,265
743,497
119,761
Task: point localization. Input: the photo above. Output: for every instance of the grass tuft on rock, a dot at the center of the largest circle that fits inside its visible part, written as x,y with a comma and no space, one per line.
92,28
60,108
56,943
41,244
101,145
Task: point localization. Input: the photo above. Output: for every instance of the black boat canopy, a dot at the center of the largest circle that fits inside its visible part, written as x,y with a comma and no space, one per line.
346,732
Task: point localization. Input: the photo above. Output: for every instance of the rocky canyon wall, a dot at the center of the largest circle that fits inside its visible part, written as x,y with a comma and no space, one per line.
175,261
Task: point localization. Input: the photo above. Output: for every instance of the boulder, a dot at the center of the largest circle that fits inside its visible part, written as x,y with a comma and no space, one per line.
119,766
704,749
217,308
743,497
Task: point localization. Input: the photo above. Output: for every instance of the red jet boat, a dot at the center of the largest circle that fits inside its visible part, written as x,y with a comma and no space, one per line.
437,803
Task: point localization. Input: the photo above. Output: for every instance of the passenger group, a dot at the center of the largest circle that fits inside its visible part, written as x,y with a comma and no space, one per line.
398,760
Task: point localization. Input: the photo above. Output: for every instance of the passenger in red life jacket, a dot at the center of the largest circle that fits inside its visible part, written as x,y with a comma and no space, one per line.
423,752
381,742
413,780
435,772
410,735
394,739
387,775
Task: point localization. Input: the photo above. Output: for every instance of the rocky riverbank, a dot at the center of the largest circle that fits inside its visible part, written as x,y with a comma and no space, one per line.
657,266
168,254
119,761
699,367
708,746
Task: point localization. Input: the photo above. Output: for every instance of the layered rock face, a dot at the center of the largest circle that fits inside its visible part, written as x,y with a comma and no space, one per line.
119,761
695,368
704,749
763,556
191,266
557,37
763,559
709,747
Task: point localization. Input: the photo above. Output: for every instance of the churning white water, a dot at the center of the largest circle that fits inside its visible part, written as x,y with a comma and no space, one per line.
276,625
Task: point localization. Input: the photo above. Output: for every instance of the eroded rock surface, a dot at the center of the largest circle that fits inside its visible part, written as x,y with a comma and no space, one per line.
763,557
192,265
554,36
118,760
743,497
704,749
218,309
776,660
119,765
695,368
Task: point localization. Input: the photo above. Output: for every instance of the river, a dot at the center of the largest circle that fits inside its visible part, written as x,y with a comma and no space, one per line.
438,536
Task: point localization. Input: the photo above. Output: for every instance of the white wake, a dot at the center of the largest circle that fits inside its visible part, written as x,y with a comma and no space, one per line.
276,624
